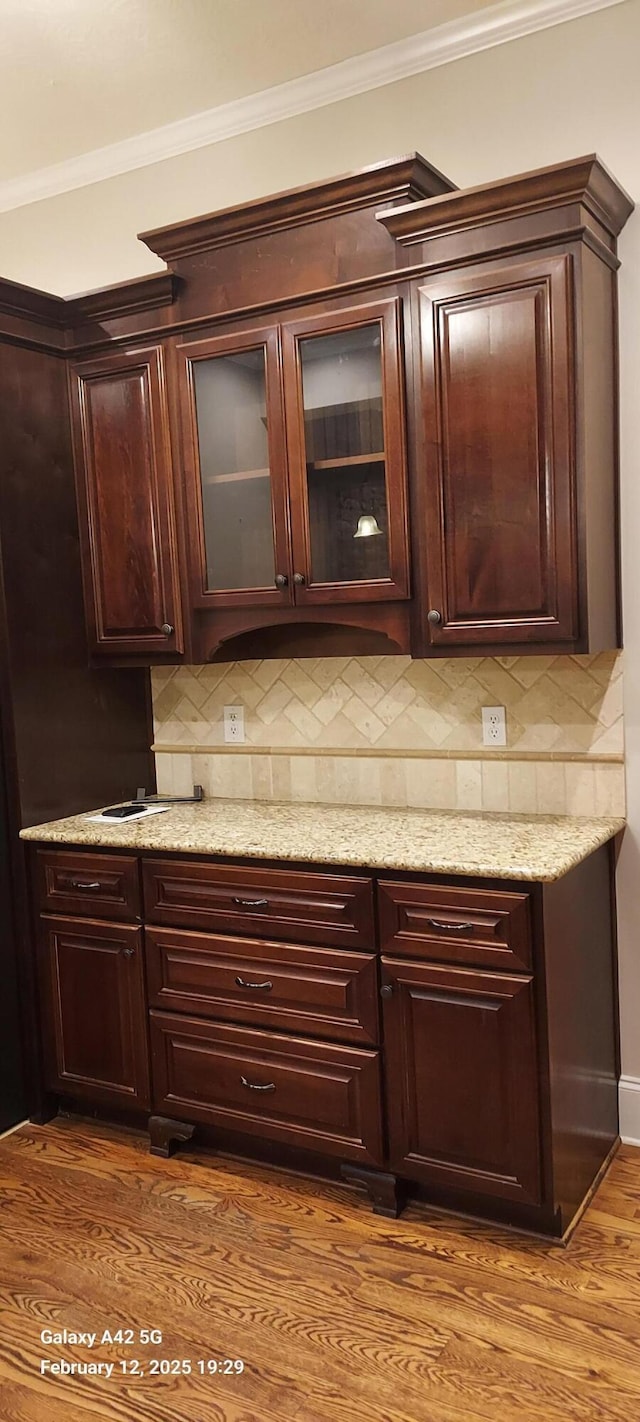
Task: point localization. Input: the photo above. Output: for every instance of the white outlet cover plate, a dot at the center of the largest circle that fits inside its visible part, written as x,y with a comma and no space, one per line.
233,721
494,726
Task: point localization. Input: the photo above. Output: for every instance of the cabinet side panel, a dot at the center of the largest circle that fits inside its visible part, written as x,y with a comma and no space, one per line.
598,428
82,736
581,1006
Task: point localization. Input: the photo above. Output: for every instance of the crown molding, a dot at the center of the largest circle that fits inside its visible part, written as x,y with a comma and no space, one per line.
583,180
396,180
495,25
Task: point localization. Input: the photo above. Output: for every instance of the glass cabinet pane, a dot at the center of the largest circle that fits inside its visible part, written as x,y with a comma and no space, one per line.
231,412
345,455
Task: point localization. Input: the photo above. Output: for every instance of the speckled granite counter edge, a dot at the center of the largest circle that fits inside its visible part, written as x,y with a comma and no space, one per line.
569,840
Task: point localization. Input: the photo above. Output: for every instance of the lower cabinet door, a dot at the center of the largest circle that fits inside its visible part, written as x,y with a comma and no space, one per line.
462,1080
92,978
288,1089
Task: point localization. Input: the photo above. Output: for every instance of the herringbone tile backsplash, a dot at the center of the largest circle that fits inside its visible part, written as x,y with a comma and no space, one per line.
564,713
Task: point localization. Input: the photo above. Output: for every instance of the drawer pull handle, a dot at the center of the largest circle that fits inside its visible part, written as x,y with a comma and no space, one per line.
83,884
264,987
250,903
253,1086
450,927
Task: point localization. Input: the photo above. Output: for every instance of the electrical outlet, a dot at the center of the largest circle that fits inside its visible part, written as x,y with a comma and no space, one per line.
494,726
234,724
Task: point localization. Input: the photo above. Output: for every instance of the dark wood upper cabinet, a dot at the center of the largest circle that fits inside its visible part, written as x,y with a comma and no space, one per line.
123,465
497,476
346,440
294,461
296,454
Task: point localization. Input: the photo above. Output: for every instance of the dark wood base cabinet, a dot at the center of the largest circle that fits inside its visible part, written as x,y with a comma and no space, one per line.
463,1051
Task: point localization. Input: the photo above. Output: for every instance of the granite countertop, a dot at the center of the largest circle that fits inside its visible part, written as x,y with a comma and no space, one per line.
500,846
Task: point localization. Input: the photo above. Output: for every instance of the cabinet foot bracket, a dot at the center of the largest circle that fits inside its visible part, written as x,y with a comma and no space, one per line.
386,1192
165,1135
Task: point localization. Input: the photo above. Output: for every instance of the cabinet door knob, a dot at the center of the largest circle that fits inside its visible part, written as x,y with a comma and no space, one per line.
85,884
128,952
386,991
167,629
282,580
298,578
249,903
434,617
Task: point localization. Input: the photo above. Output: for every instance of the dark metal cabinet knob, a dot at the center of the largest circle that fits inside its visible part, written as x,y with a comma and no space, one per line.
128,952
298,579
386,991
167,629
434,617
282,580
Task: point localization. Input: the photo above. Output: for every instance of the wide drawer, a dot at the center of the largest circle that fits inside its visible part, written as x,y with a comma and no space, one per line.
324,992
315,908
455,925
99,885
287,1089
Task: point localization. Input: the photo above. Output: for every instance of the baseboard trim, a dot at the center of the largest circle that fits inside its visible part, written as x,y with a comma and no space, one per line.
629,1102
12,1129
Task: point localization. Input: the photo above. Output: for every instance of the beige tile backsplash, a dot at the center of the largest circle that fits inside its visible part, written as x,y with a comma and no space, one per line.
389,730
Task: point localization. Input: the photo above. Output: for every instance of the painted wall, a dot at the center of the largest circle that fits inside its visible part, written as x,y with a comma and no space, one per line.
563,92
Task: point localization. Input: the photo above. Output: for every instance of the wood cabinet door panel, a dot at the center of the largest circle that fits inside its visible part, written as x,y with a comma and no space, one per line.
462,1087
326,909
288,1089
348,478
123,462
497,482
98,885
235,469
325,992
95,1013
452,925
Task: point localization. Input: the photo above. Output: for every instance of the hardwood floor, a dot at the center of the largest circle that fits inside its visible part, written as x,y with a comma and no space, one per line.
339,1316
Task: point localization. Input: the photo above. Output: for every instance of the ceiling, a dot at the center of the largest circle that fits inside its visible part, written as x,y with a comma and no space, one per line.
76,75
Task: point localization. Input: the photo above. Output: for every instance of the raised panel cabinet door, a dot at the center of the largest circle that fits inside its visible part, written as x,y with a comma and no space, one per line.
125,496
496,478
232,426
92,977
344,401
462,1081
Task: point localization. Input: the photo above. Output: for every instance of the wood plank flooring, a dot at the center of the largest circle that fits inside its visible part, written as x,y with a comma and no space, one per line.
337,1315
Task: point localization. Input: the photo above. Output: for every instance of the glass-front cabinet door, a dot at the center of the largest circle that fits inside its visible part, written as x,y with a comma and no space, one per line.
236,481
345,431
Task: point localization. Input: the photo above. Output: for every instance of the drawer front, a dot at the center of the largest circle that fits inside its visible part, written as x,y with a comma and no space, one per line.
98,885
309,908
455,925
324,992
287,1089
